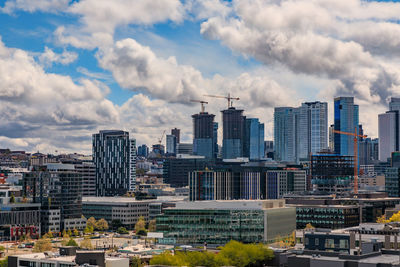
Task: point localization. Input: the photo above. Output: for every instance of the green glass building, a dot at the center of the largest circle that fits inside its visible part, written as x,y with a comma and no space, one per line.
218,222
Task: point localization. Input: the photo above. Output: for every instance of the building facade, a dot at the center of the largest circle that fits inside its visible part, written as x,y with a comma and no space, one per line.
345,120
253,143
218,222
282,182
204,134
233,123
171,144
111,156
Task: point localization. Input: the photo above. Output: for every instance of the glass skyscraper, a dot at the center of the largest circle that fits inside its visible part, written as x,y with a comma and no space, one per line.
233,133
253,144
111,156
204,134
285,134
346,120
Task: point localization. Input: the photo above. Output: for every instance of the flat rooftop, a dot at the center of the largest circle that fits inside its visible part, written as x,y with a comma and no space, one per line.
229,204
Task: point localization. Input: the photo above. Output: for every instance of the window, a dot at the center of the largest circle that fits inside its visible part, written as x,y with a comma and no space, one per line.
306,241
329,243
317,241
344,243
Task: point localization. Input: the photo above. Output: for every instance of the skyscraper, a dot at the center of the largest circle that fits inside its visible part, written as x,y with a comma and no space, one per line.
177,133
389,130
285,134
312,129
346,120
132,164
111,154
253,144
300,132
143,151
171,144
233,133
203,135
215,125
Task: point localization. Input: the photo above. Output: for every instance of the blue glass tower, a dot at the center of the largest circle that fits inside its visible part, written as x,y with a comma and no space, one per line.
253,144
346,120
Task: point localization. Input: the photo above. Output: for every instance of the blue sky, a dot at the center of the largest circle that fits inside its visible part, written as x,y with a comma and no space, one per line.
71,68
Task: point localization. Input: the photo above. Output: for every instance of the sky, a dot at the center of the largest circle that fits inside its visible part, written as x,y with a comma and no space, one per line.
69,68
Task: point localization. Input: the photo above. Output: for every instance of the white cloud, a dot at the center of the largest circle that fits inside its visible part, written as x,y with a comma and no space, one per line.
34,5
51,107
48,57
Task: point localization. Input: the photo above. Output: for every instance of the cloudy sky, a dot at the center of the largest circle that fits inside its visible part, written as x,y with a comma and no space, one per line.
69,68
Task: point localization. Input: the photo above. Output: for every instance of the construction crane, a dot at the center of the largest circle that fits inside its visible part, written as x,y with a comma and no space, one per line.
162,137
201,103
355,140
229,98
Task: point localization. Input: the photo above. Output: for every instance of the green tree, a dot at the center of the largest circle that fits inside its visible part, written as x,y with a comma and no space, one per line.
88,230
141,232
140,224
102,225
64,233
2,248
152,225
115,224
72,243
136,262
4,262
122,231
69,232
76,232
91,222
12,198
86,243
42,245
240,255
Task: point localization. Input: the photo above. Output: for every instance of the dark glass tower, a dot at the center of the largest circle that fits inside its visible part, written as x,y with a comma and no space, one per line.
203,135
233,133
111,151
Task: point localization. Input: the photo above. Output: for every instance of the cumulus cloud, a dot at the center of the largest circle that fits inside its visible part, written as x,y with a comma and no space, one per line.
34,5
36,104
99,18
48,57
318,38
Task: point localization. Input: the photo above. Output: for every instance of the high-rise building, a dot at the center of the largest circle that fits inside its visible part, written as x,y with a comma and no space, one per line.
203,135
331,138
171,144
285,134
233,133
58,187
184,148
312,129
368,151
111,155
389,130
177,133
253,141
300,132
132,164
345,120
143,151
269,149
87,170
215,133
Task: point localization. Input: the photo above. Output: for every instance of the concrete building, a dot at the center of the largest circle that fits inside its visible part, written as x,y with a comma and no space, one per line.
345,120
132,164
218,222
87,170
111,156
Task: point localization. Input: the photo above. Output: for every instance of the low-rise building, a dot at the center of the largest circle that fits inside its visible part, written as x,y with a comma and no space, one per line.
218,222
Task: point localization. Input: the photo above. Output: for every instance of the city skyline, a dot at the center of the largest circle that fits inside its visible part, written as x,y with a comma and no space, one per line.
67,72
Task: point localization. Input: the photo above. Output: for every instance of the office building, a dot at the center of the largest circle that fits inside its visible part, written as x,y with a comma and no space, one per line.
218,222
269,149
345,120
300,132
176,170
368,151
233,129
253,142
389,130
204,134
111,156
283,182
132,164
224,185
171,144
177,133
58,188
392,181
87,170
331,138
143,151
184,148
215,135
124,209
331,173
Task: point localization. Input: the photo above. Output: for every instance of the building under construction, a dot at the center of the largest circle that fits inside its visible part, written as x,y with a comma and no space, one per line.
332,173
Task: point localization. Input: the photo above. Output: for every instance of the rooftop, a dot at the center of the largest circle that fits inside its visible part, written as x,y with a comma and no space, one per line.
230,204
